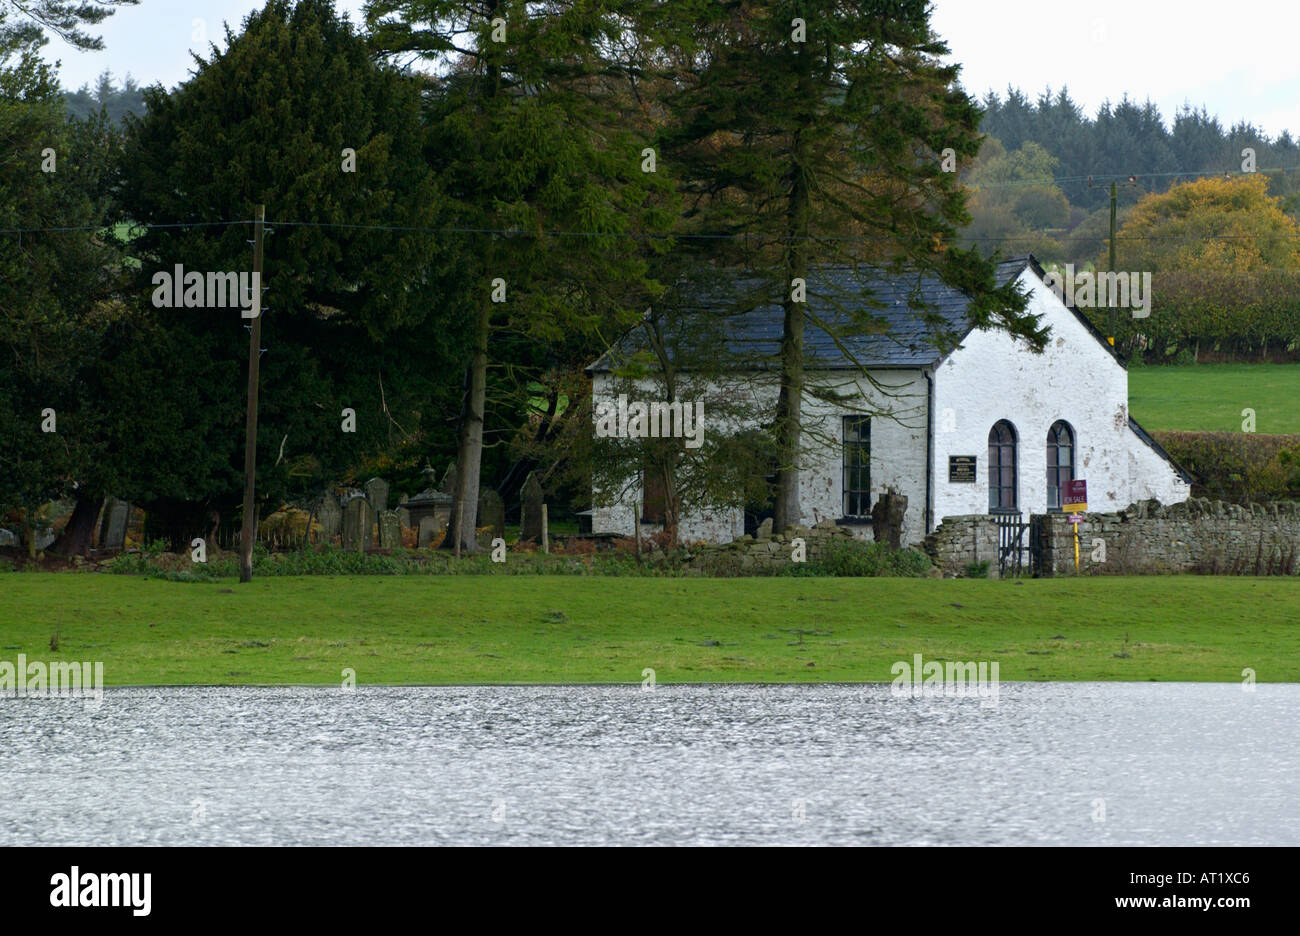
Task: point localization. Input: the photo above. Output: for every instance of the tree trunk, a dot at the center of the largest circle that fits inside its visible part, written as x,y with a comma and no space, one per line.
669,454
76,536
469,452
789,415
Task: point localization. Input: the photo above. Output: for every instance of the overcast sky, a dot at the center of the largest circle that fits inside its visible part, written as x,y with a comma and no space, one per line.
1238,60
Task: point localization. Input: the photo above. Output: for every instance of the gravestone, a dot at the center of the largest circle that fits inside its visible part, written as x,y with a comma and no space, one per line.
492,512
377,494
7,538
390,530
112,532
357,524
448,485
403,514
428,531
330,516
887,518
531,509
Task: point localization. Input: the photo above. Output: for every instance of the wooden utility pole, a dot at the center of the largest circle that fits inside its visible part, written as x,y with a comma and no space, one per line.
1114,195
249,532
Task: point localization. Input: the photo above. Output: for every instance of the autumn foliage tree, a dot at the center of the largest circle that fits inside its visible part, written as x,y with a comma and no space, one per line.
1211,225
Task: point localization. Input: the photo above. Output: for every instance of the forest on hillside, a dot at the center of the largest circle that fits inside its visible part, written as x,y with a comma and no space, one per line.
1042,180
1043,176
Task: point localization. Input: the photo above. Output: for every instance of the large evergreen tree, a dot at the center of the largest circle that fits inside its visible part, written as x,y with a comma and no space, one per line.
58,275
355,316
531,141
813,133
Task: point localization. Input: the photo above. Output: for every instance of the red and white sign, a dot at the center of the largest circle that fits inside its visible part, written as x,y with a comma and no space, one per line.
1074,499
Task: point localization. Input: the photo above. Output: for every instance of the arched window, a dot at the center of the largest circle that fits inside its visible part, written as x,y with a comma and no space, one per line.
1060,461
1002,467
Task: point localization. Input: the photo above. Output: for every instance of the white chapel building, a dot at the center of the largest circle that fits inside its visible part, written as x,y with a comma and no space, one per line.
990,427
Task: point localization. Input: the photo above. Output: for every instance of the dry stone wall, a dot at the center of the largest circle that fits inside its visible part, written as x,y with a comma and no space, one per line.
1197,536
1146,538
767,552
962,540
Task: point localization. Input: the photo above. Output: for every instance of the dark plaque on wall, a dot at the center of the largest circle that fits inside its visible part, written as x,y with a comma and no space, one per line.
961,469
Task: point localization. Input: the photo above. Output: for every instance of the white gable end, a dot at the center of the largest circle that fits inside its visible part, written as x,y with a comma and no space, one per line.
994,377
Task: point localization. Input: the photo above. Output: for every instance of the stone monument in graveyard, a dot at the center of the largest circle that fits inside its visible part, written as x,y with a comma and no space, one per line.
530,516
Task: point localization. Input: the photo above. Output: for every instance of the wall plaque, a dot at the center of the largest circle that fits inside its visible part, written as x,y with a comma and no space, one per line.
961,469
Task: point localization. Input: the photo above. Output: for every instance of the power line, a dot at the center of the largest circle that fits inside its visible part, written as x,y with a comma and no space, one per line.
1131,176
632,235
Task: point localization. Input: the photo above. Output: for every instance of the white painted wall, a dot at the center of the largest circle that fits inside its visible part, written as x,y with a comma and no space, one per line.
992,377
897,457
897,449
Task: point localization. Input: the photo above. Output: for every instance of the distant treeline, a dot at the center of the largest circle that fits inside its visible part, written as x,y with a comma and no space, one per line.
116,100
1131,138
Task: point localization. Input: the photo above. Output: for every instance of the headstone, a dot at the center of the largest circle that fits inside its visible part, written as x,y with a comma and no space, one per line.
44,539
330,517
357,524
112,532
531,509
377,494
887,518
390,530
428,531
7,538
764,529
448,485
492,512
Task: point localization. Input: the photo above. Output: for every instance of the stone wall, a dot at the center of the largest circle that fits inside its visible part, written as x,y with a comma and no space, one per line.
1146,538
959,541
1198,535
766,551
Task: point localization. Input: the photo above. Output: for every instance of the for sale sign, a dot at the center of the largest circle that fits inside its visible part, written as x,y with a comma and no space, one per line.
1075,497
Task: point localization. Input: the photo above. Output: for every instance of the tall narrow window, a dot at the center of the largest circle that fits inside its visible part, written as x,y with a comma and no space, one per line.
1060,462
857,466
1002,467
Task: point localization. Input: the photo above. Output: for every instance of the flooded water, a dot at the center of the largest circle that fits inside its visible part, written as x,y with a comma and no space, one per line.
1081,763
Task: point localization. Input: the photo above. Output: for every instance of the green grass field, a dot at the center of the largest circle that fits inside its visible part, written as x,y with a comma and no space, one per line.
1210,397
550,629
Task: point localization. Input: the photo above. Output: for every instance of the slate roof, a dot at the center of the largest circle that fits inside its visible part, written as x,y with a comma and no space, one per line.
911,316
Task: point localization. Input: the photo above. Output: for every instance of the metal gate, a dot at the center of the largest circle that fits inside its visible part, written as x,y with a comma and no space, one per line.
1017,546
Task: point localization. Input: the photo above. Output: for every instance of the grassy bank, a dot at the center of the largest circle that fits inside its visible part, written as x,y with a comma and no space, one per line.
537,629
1210,397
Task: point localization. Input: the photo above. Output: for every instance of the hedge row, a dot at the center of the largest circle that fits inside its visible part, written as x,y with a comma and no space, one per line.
1239,314
1240,467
